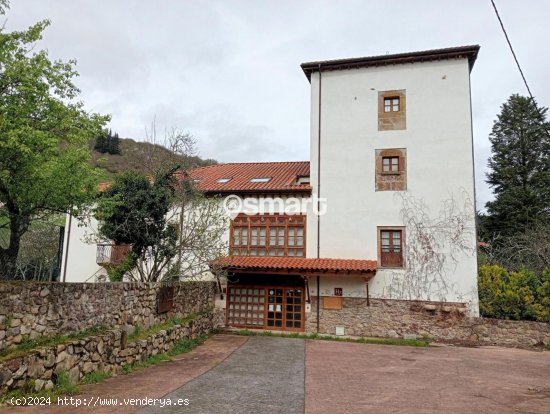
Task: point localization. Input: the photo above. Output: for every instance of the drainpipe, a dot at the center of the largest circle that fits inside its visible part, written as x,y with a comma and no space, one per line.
67,247
318,303
318,201
319,171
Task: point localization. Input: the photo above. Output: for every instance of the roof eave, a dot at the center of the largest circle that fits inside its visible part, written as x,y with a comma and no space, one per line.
303,272
462,52
259,191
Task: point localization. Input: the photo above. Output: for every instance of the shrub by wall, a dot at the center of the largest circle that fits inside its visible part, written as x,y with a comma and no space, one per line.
514,295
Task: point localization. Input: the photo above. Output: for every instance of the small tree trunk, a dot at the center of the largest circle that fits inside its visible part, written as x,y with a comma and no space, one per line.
8,256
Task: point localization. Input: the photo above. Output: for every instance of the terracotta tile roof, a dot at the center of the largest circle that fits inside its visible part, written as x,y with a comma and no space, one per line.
282,177
469,52
301,264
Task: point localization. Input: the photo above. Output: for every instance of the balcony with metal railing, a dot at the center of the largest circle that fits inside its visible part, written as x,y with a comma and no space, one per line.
110,254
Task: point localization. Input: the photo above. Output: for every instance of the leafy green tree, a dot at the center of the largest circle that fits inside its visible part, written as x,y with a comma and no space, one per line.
135,211
44,135
520,168
175,232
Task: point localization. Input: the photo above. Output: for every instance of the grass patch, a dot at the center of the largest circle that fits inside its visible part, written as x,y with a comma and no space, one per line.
147,362
547,346
28,344
62,387
379,341
180,347
141,333
186,345
7,322
95,377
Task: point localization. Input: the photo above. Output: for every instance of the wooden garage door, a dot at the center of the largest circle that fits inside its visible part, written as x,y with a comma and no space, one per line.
268,307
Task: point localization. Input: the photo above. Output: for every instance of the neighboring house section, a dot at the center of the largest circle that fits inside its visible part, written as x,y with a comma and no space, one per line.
268,187
84,259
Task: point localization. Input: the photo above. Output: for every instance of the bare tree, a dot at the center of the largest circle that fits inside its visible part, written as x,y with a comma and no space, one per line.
433,247
529,249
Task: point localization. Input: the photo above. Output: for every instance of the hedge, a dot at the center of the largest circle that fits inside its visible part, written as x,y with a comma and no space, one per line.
514,295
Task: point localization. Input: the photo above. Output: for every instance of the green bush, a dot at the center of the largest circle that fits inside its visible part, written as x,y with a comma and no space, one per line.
514,295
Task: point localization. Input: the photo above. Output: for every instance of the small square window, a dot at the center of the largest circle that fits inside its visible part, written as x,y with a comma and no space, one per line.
390,164
391,104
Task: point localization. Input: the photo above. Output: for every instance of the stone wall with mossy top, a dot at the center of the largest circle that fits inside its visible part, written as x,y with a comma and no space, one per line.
110,352
32,310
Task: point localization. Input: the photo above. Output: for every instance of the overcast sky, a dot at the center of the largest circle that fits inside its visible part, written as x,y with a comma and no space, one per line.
228,71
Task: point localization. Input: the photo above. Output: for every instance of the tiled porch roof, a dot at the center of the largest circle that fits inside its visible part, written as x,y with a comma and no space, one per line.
296,264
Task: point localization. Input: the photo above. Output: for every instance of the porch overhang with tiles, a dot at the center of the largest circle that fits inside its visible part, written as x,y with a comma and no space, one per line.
296,266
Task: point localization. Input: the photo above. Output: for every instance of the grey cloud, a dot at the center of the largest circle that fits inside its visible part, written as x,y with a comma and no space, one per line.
228,71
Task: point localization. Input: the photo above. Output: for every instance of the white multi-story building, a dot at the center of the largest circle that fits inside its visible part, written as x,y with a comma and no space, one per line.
392,160
390,214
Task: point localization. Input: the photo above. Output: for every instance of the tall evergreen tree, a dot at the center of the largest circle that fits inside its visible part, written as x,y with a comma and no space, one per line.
520,168
114,144
101,142
106,142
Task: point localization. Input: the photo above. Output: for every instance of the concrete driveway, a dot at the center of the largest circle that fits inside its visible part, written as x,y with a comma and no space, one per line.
230,374
275,375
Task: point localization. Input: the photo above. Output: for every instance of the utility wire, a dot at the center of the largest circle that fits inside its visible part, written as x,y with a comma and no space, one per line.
519,66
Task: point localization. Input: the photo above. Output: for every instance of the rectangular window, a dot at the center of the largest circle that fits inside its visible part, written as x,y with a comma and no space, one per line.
390,164
391,104
391,169
391,248
392,110
268,235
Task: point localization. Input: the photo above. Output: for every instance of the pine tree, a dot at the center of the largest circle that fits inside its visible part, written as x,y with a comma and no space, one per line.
520,168
101,143
106,142
114,144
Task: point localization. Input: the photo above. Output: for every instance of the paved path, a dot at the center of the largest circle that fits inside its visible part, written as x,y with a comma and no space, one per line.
232,374
265,375
357,378
152,382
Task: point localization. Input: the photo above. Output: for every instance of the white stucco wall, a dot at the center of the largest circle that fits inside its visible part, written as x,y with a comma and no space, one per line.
438,140
80,253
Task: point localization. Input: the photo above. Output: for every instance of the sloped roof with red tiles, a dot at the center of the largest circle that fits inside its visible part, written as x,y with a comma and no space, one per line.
283,177
299,264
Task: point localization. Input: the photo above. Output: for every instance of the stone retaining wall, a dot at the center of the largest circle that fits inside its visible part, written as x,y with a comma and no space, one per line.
33,309
445,322
107,352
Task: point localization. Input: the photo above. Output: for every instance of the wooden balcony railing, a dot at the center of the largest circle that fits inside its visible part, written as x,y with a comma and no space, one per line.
111,254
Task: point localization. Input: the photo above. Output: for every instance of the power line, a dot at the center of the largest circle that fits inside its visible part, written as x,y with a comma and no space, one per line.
519,66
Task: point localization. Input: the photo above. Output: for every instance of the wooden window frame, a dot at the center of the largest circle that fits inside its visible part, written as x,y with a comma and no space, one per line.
381,263
390,180
391,158
392,120
283,243
389,103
